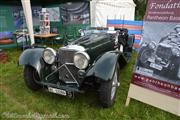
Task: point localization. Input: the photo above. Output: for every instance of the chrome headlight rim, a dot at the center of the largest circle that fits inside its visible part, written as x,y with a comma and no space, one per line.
176,51
86,57
53,55
152,45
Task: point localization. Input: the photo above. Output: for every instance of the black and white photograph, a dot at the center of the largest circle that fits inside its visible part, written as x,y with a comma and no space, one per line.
159,56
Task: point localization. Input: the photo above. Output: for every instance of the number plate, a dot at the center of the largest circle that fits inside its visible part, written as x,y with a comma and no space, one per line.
57,91
156,66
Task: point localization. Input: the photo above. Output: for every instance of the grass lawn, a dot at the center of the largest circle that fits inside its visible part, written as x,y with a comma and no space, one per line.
16,99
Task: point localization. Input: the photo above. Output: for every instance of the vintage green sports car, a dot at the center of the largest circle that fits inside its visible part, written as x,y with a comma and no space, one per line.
91,62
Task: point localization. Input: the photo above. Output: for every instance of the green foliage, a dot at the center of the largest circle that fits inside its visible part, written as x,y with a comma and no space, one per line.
140,9
16,98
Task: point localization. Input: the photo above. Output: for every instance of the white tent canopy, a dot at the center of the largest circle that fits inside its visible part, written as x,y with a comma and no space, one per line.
101,10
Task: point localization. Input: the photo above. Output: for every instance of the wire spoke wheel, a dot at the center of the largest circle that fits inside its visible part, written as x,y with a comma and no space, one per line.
114,85
108,89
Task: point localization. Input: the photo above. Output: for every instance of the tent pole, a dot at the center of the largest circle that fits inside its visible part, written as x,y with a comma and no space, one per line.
28,16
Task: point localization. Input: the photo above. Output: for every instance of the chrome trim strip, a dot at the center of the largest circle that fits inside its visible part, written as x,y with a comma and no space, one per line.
71,74
64,65
73,47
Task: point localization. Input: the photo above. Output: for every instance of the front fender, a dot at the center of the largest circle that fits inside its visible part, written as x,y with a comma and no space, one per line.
104,67
32,57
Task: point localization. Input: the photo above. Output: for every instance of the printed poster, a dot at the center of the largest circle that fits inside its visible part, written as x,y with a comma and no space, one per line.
158,63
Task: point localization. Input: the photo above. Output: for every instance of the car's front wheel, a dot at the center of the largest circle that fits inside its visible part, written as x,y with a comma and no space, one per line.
143,56
107,91
30,78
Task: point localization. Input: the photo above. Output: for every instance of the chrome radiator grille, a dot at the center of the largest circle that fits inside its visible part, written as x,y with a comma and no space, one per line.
66,56
68,73
164,52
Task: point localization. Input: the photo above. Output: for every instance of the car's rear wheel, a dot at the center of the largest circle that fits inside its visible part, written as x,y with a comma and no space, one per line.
30,78
176,69
107,91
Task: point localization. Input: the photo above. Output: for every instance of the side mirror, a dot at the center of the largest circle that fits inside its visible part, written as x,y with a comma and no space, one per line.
152,45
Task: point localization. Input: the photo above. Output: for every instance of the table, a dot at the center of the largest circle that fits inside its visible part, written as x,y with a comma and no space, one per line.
46,36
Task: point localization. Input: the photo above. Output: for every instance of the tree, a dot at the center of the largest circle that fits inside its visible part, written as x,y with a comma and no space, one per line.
140,9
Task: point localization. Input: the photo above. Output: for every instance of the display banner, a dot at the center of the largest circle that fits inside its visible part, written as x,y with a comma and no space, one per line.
163,11
77,12
158,63
19,19
54,14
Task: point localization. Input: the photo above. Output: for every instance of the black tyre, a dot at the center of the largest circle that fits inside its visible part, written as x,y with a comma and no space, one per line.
30,78
130,43
107,91
175,69
143,56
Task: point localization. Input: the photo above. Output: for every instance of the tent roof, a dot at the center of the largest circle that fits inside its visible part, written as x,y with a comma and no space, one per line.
117,2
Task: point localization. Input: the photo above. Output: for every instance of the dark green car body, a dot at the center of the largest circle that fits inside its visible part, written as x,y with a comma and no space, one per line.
103,50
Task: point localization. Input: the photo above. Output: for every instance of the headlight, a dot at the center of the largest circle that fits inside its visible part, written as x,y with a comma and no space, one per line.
176,51
81,60
49,55
152,45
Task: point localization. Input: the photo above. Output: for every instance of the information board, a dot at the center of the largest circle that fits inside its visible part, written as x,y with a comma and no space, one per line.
158,62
